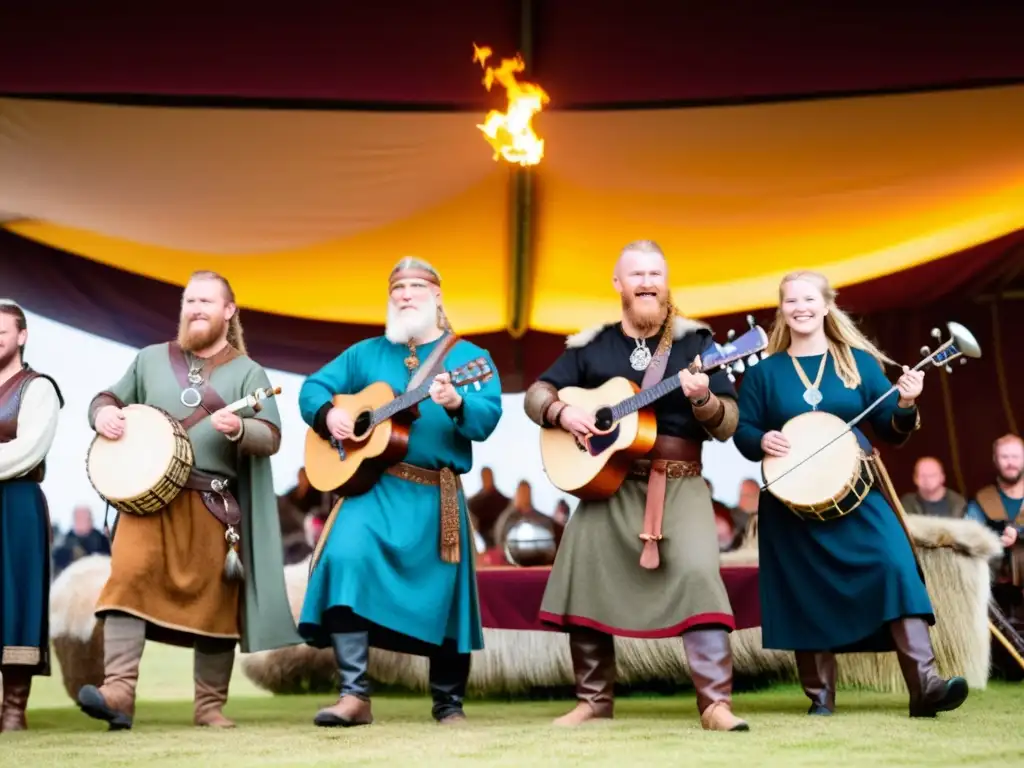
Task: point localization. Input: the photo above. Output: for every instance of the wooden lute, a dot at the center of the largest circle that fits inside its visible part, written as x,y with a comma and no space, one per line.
380,436
596,467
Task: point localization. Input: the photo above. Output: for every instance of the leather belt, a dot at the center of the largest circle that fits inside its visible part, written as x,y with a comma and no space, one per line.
449,483
217,497
671,457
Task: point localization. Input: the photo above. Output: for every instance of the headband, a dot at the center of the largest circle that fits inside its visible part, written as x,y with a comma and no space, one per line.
413,273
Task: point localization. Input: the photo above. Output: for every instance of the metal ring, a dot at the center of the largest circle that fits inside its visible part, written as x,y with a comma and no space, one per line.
185,398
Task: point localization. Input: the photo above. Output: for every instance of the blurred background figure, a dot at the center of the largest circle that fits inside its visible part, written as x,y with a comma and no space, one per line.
83,539
932,497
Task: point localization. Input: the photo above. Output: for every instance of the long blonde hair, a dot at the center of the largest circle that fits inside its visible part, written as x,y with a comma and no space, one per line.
841,331
235,336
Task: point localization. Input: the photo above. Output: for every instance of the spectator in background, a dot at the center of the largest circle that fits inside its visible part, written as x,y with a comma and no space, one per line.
932,497
83,539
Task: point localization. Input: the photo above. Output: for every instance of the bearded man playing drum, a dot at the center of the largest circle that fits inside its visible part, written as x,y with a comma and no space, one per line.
601,582
394,566
850,583
169,578
30,404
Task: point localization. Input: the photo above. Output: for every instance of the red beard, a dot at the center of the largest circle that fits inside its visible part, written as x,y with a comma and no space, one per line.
201,338
648,318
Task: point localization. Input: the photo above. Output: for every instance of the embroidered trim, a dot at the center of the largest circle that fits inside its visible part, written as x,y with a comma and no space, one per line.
21,655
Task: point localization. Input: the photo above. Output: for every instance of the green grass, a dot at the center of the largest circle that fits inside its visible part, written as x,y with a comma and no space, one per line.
870,730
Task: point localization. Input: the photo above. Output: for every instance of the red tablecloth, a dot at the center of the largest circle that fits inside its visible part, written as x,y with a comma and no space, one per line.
510,597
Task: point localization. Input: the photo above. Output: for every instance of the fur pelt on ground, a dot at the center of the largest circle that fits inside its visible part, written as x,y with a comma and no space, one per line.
954,555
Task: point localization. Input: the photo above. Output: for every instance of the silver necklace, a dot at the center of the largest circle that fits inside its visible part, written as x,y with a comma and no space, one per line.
641,356
190,397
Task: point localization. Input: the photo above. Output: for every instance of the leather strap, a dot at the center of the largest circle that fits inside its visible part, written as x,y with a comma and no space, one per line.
216,495
654,511
656,370
211,401
658,470
434,364
449,482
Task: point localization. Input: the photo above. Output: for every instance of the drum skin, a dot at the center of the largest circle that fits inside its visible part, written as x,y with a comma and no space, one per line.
144,470
831,483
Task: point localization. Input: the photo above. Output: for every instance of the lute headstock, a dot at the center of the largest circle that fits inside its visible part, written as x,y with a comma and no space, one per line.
736,354
960,345
472,372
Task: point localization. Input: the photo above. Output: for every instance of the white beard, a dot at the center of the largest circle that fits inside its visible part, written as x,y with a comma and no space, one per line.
412,323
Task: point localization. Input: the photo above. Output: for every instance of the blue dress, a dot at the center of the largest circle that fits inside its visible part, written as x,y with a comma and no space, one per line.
380,561
834,585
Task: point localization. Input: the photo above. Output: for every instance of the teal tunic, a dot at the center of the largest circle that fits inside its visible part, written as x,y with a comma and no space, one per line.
381,559
835,585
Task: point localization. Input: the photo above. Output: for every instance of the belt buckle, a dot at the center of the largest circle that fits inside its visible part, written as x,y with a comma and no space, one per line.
219,484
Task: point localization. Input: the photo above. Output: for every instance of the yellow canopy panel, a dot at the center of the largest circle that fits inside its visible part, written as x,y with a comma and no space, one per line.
306,211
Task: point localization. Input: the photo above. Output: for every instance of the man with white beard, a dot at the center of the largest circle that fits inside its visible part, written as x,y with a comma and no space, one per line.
394,566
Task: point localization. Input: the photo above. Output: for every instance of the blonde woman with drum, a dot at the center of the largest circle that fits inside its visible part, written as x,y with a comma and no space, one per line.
848,584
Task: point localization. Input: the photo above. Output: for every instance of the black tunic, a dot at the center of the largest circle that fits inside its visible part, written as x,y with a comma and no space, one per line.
607,356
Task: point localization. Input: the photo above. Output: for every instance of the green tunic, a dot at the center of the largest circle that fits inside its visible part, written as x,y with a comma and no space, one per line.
266,620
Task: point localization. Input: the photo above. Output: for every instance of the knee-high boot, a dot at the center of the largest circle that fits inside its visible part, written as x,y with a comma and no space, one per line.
449,673
593,663
213,665
818,677
352,653
710,657
17,684
124,638
929,693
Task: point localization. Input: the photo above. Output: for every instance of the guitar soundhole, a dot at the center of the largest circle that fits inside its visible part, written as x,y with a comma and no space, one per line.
603,418
362,425
600,443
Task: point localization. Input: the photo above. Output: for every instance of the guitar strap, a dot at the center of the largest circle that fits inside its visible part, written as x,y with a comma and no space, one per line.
434,364
211,401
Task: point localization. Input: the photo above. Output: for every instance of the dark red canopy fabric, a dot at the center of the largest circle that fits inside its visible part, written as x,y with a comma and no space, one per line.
602,52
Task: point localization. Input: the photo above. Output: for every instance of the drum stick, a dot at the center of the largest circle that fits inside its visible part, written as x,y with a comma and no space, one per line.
250,400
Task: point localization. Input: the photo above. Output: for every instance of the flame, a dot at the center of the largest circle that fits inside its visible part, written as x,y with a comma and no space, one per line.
511,133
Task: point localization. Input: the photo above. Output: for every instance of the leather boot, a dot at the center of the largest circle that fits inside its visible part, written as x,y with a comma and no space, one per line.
449,673
17,683
124,638
213,665
593,663
818,677
929,693
352,652
710,658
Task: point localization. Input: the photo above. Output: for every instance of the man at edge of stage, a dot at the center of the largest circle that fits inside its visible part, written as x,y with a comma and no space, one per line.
174,577
394,566
30,404
613,575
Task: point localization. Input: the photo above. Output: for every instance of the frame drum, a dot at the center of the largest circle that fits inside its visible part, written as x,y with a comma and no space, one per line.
829,485
146,469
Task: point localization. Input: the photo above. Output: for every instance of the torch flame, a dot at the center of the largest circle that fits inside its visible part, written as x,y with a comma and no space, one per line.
511,133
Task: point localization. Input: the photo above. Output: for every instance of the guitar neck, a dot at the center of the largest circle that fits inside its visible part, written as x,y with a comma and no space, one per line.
645,397
400,403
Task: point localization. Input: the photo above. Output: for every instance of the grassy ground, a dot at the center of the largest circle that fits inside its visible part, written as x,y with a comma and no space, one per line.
870,730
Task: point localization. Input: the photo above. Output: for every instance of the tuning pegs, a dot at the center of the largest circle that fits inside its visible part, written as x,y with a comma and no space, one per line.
764,355
925,352
731,376
936,333
753,360
949,369
738,366
751,321
731,334
963,361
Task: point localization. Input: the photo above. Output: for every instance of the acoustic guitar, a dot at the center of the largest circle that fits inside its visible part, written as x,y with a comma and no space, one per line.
380,433
627,428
